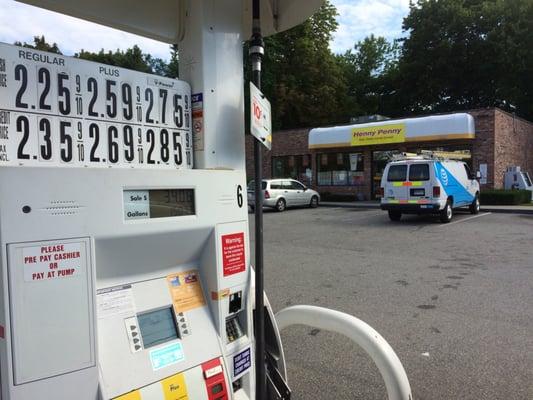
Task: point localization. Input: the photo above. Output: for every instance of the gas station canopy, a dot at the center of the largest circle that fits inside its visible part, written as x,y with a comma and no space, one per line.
163,20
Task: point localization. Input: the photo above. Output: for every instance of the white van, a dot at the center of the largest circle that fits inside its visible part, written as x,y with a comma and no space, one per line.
428,185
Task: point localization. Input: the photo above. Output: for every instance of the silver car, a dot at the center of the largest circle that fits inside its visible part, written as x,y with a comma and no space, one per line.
283,193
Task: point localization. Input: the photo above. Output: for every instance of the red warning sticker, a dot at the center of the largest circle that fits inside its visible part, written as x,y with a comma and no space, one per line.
53,261
233,259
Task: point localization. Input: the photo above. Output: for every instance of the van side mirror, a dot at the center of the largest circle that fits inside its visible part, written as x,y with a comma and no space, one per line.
478,175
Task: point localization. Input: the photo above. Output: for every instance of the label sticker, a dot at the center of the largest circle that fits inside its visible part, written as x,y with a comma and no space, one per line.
220,294
117,300
241,362
135,395
174,388
165,356
186,291
233,258
136,204
53,261
197,106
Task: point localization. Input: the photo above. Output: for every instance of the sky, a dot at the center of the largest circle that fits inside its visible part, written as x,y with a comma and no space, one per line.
20,22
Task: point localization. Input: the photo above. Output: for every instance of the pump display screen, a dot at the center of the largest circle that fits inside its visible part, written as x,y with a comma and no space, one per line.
157,327
160,203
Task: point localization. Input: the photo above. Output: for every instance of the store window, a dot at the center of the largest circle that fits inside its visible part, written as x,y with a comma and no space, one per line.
296,167
340,169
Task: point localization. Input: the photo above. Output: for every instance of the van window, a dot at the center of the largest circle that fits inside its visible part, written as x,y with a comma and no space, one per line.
468,173
419,172
397,173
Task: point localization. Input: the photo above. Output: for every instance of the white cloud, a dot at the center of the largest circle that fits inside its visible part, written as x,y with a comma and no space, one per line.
360,18
21,22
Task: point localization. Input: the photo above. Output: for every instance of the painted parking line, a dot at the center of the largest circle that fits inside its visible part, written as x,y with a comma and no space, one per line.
466,219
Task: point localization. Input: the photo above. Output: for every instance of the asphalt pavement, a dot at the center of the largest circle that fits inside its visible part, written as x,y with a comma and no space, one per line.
454,300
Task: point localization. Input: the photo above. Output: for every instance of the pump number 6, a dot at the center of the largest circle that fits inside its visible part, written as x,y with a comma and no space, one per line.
239,196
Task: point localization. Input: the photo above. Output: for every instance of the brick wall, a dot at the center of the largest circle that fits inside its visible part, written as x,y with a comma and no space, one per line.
513,145
483,148
285,143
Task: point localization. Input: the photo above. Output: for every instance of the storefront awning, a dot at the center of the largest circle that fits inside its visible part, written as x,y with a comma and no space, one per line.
433,128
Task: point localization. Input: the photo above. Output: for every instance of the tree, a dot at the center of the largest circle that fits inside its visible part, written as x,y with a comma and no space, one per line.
301,76
368,69
39,43
463,54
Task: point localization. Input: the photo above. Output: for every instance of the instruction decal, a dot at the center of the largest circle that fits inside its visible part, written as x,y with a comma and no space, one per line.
117,300
54,261
135,395
197,106
165,356
241,362
233,258
174,388
186,291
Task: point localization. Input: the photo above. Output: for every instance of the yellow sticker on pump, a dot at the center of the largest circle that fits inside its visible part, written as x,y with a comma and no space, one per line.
174,388
135,395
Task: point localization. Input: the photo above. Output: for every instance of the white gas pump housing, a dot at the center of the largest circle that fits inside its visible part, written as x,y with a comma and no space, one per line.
124,239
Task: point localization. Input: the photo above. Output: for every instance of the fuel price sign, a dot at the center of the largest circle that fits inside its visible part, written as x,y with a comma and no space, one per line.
63,111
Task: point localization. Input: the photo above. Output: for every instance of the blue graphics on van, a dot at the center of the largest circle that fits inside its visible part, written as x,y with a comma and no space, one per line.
452,187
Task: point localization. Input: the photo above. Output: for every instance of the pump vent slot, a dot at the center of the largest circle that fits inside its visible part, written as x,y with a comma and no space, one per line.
63,207
226,199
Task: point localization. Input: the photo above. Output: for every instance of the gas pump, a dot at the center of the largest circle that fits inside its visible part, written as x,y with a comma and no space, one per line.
126,270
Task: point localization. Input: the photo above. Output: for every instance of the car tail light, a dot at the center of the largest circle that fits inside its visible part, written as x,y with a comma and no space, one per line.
267,195
436,191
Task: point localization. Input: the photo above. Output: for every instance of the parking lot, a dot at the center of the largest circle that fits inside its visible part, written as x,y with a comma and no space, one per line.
454,300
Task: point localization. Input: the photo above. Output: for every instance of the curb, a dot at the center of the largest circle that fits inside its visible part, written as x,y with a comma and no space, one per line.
376,207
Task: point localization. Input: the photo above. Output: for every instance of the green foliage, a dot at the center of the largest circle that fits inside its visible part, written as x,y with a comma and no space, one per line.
301,77
505,197
463,54
39,43
368,69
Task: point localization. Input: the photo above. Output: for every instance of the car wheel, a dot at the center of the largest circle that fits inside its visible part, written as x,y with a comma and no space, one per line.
314,202
474,207
446,214
280,205
395,215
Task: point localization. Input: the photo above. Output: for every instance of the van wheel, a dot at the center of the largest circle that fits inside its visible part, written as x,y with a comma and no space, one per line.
280,205
447,213
395,215
474,207
314,202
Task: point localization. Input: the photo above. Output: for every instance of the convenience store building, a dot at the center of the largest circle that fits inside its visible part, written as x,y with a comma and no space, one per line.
347,161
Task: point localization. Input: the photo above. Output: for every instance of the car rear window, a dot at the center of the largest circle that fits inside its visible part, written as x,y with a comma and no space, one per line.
419,172
251,185
275,185
397,173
